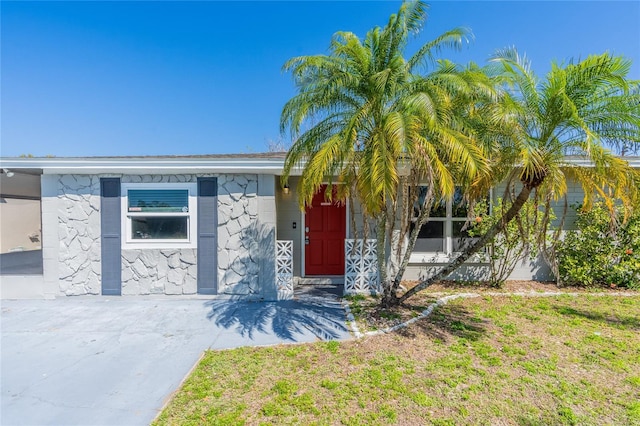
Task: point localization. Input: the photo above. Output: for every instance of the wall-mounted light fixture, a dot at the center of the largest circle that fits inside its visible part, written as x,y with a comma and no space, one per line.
285,188
8,172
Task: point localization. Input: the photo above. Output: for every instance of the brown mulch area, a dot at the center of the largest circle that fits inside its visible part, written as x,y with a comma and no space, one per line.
372,317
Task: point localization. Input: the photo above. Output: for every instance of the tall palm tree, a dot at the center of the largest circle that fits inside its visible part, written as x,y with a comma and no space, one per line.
565,129
367,110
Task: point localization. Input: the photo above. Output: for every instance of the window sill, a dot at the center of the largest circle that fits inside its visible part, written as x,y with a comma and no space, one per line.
435,257
158,245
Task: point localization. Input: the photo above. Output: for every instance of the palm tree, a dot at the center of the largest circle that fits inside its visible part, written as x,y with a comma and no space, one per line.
565,129
368,110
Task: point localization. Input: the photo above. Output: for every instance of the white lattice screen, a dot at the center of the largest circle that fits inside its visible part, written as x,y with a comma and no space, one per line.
284,269
361,267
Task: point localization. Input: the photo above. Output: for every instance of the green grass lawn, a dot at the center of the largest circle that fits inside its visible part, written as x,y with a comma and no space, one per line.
489,360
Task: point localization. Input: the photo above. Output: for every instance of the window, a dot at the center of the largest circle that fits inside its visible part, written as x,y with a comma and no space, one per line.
445,231
160,215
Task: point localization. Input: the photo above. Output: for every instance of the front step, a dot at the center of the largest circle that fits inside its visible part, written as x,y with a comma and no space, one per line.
320,280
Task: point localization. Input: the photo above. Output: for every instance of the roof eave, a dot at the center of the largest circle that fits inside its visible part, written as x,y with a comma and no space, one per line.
144,166
150,165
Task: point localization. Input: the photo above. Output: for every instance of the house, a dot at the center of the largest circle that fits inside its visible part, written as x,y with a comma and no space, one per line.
206,224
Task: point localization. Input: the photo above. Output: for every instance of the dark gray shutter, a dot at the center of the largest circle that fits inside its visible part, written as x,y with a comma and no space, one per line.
208,235
110,236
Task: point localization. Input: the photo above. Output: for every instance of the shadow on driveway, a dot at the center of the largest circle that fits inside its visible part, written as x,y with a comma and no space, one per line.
314,314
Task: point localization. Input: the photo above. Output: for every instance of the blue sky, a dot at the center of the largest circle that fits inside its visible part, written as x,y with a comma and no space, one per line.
152,78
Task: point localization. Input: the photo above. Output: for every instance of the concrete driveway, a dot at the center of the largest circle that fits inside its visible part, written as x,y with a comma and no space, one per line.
116,360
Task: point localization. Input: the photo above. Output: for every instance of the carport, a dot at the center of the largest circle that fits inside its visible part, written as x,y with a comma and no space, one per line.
21,264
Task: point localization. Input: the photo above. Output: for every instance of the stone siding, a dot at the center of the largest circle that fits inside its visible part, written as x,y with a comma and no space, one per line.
153,271
158,271
238,235
79,234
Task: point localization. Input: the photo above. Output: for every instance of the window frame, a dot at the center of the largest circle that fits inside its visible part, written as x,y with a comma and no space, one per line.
129,243
448,243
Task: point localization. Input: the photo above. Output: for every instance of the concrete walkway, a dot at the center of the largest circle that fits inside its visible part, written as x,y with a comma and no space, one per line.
116,360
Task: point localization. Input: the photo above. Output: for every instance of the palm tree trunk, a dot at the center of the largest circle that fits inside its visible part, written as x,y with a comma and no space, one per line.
515,208
423,217
381,232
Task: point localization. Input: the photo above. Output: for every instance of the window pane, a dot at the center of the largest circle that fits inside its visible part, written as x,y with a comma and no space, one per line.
460,236
459,208
437,210
430,237
159,228
158,200
457,228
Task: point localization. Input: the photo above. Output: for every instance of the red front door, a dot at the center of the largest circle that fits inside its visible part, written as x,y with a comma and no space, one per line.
325,231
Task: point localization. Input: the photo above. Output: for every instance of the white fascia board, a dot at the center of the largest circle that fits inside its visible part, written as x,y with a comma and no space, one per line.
145,166
182,165
582,162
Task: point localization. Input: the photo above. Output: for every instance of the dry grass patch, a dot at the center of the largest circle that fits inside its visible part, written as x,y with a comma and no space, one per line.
489,360
372,317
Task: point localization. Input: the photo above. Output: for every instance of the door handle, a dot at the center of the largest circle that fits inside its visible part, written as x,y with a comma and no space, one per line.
306,240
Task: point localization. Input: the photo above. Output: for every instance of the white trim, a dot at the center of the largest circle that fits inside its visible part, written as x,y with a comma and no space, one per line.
424,258
429,257
448,253
144,165
195,164
192,217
